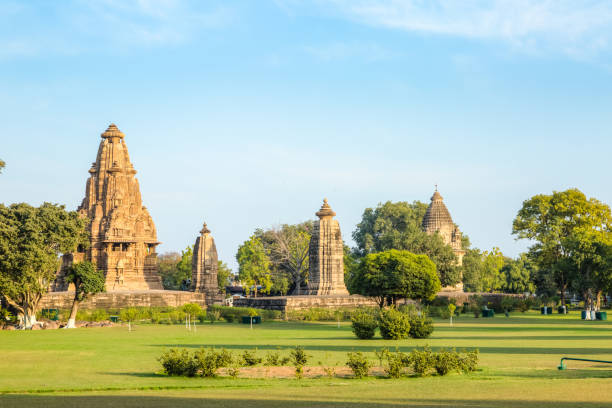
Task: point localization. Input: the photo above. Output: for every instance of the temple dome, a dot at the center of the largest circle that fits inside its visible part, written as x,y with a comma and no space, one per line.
437,215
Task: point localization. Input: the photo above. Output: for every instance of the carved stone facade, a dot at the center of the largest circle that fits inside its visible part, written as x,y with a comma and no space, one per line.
326,255
123,235
205,266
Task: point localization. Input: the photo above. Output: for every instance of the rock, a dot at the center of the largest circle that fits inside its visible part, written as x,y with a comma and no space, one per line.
37,326
9,327
51,325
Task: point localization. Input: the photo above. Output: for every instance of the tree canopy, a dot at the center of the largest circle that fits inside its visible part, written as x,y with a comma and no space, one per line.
398,226
31,241
87,281
570,234
393,274
254,265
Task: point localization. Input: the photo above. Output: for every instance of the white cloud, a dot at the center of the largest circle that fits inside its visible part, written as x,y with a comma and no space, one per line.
367,51
576,27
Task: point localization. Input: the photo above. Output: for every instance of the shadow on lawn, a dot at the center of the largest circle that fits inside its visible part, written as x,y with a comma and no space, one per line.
243,401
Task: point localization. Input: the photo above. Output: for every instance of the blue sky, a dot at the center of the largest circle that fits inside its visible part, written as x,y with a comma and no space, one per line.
246,114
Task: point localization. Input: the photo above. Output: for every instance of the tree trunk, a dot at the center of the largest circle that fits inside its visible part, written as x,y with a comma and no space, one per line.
73,314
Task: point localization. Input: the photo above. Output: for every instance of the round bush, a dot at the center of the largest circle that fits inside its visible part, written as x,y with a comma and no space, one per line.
394,325
364,325
421,327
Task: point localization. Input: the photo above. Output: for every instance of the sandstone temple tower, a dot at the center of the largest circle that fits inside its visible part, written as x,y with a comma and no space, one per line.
123,235
438,219
326,255
204,267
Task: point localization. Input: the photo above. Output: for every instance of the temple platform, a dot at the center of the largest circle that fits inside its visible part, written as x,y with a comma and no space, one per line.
120,299
300,302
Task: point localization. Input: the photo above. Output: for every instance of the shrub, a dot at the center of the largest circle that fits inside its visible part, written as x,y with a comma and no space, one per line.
177,362
364,325
225,358
213,315
395,364
421,360
299,358
250,359
469,362
156,317
274,359
508,303
233,371
446,361
206,362
394,325
98,315
421,327
359,364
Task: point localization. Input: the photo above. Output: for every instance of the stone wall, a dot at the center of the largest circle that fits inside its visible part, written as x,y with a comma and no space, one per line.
288,303
119,299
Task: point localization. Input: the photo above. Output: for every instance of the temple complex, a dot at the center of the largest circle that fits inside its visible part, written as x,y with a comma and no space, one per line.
204,267
123,235
326,255
438,220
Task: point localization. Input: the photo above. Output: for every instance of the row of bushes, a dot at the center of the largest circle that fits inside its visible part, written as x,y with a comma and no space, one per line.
421,362
394,324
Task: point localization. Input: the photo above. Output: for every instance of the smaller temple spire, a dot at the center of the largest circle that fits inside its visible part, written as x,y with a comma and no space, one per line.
111,132
204,229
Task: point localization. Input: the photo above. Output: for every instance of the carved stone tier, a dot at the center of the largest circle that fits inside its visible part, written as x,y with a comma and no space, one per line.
123,235
326,255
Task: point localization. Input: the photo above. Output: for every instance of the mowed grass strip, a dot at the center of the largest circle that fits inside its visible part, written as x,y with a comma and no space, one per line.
519,356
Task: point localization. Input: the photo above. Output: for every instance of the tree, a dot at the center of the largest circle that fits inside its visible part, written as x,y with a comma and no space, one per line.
166,266
482,270
555,222
399,226
87,281
129,315
223,275
254,265
517,275
191,309
31,241
287,249
391,275
280,283
183,268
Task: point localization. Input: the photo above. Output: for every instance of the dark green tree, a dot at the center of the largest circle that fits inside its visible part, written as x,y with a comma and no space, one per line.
399,226
224,274
393,274
254,265
31,241
87,281
517,275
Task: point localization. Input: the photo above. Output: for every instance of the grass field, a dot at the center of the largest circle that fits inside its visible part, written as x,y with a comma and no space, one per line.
111,367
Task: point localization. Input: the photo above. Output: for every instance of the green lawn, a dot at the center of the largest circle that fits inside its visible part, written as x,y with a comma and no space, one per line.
111,367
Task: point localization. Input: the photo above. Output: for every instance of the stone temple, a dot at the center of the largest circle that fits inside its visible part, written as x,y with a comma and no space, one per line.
326,255
123,235
205,266
438,220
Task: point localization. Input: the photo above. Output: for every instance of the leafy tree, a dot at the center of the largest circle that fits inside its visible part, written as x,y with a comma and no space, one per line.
556,223
472,270
87,281
391,275
223,276
517,275
31,241
183,268
166,266
254,265
482,270
399,226
129,315
287,249
191,310
280,283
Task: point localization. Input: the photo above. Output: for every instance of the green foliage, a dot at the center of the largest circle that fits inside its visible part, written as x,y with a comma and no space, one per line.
191,309
86,279
482,270
446,361
98,315
275,359
249,358
31,240
231,314
129,314
398,226
394,275
359,364
421,327
203,362
364,324
518,275
224,274
254,265
393,324
213,315
320,314
299,358
469,362
421,360
395,364
175,269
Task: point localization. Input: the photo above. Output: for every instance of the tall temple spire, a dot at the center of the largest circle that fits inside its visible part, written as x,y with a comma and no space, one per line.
437,219
205,267
326,255
123,235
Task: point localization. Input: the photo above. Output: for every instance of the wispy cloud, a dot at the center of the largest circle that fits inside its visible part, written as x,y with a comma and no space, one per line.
365,51
577,27
79,26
